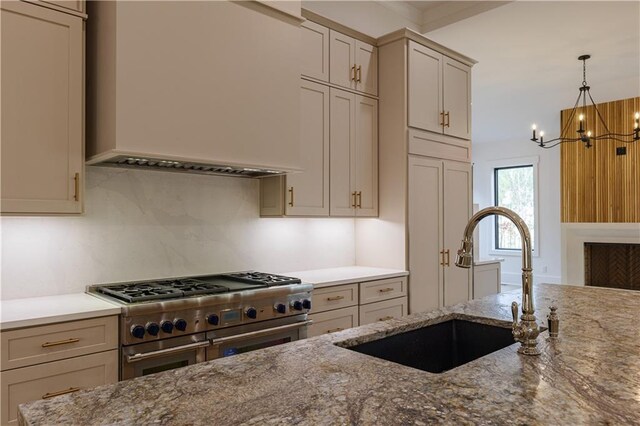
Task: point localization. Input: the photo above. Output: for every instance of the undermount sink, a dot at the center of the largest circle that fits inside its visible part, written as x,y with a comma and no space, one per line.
440,347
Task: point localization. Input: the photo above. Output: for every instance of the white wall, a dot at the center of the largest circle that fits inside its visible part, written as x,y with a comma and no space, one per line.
547,262
147,224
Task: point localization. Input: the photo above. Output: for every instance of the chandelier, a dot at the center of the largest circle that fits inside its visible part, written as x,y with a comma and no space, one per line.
585,135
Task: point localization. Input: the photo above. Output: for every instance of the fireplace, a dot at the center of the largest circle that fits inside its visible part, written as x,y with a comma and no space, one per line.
614,265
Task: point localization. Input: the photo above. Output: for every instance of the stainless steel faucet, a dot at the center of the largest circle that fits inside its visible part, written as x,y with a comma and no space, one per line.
526,331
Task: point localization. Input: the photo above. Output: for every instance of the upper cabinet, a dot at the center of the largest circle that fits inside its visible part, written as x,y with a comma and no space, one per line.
314,54
439,92
353,63
42,110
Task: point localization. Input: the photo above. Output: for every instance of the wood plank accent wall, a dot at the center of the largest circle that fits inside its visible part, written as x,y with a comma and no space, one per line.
598,185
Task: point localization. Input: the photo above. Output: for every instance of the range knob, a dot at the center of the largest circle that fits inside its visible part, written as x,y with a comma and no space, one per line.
306,304
213,319
297,305
153,328
137,331
251,313
167,326
280,308
180,324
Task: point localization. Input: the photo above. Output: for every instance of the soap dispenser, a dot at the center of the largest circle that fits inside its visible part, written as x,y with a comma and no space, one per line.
553,322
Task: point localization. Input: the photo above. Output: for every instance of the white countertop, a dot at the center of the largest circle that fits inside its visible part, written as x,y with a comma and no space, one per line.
488,260
17,313
345,275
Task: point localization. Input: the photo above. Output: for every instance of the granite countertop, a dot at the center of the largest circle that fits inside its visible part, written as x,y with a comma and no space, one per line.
591,375
51,309
345,275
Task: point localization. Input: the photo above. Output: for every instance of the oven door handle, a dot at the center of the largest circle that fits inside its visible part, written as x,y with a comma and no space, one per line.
167,351
259,333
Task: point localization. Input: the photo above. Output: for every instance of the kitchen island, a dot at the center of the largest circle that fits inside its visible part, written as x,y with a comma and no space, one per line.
590,375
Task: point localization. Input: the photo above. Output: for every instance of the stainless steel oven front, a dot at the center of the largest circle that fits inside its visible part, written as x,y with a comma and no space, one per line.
250,337
153,357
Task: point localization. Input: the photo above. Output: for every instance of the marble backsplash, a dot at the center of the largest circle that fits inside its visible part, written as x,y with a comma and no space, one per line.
148,224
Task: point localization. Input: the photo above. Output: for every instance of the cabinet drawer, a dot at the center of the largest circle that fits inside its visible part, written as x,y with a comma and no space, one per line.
375,291
429,144
325,299
35,345
332,321
55,378
382,311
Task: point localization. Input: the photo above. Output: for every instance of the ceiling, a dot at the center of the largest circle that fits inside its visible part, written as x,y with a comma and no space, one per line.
527,67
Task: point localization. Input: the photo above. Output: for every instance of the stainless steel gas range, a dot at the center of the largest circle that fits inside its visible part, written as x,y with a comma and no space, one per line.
176,322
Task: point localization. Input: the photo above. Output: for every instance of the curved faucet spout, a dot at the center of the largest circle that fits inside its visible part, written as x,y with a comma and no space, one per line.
527,330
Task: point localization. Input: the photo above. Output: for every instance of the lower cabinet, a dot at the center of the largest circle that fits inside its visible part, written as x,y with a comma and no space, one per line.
345,306
486,279
56,378
45,361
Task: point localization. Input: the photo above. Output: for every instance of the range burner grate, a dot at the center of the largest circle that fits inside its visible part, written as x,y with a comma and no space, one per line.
159,290
269,280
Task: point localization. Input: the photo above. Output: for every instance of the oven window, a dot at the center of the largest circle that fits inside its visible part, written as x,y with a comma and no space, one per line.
242,349
164,367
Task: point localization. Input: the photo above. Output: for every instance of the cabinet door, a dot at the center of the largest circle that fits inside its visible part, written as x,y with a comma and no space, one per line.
342,56
457,98
342,153
314,54
457,211
425,88
366,68
366,172
308,192
425,234
42,110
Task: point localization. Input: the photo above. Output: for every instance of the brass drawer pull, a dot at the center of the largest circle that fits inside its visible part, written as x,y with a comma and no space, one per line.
60,342
359,79
58,393
76,186
333,330
291,197
386,290
331,299
388,317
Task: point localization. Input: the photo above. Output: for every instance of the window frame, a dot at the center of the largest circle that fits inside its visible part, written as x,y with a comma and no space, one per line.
513,163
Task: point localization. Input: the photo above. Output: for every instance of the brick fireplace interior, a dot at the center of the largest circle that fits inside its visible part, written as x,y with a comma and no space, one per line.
612,265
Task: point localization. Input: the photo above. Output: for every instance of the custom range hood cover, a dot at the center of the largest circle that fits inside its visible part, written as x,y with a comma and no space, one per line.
196,87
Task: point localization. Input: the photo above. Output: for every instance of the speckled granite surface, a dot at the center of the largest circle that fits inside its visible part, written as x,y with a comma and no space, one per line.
590,376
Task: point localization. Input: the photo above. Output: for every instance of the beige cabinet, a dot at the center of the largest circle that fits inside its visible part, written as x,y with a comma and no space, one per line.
486,279
305,193
333,321
42,110
439,208
353,155
314,53
353,63
439,92
383,311
75,5
46,361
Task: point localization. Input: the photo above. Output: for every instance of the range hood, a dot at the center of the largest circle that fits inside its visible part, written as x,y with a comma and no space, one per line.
149,163
219,94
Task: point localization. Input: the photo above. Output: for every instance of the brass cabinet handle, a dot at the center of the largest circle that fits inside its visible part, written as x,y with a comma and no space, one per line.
353,201
60,342
76,186
442,118
353,72
359,79
441,257
359,197
388,317
333,330
447,115
58,393
291,197
446,252
331,299
386,290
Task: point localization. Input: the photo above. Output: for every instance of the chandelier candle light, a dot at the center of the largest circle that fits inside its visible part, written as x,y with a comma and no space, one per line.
586,136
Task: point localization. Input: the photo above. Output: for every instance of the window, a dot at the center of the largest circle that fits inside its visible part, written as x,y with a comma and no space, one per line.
515,189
